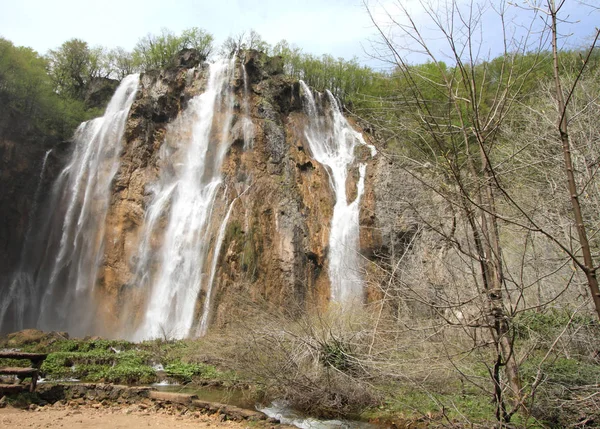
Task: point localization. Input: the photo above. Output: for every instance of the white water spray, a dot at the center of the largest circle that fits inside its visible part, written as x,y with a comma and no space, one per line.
332,142
20,293
203,328
84,187
192,157
247,125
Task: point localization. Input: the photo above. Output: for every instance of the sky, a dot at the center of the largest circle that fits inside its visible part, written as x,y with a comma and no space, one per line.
341,28
318,26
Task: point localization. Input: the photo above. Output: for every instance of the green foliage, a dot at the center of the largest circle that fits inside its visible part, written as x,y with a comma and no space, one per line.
158,51
129,374
547,325
234,231
344,78
243,41
100,365
120,63
84,346
571,331
198,39
118,361
57,366
31,108
73,65
114,361
560,371
336,354
415,403
246,244
184,372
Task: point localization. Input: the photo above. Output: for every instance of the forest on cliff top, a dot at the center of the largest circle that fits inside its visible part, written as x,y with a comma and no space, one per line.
489,307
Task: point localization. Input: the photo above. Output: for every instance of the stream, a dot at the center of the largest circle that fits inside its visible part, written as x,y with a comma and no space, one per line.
277,409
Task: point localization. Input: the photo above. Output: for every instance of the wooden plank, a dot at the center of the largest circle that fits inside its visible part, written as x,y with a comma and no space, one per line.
36,361
12,388
22,372
180,398
33,357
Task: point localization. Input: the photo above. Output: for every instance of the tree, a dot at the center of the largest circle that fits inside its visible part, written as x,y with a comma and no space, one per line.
456,117
466,133
120,62
198,39
586,262
31,107
245,40
346,79
73,65
159,51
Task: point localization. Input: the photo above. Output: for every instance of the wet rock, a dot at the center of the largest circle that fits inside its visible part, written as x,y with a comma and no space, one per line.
99,91
276,240
188,58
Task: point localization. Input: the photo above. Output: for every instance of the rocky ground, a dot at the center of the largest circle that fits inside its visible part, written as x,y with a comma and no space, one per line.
99,416
103,418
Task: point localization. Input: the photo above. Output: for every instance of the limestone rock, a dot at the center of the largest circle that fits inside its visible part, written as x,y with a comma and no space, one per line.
99,91
274,250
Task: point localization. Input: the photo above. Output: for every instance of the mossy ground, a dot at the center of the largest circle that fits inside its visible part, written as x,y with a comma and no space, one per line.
122,362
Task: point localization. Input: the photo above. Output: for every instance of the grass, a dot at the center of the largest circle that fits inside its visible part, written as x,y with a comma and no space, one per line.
123,362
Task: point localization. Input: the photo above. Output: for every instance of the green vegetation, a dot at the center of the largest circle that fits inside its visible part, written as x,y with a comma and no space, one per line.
45,97
118,361
159,51
245,242
481,316
346,79
73,65
100,365
186,372
31,108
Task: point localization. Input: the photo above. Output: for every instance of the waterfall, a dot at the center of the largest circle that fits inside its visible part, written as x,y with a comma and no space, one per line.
174,253
84,188
332,142
34,210
20,292
52,285
247,125
190,176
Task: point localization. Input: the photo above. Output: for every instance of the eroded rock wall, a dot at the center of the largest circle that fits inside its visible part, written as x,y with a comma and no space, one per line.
275,244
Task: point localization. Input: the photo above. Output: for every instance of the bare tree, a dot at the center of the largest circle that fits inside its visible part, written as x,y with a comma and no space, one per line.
586,262
456,116
458,135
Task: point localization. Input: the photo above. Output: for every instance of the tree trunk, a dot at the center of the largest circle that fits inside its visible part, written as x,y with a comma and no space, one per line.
588,262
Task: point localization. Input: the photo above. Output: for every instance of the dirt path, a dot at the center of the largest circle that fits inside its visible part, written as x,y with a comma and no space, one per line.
129,417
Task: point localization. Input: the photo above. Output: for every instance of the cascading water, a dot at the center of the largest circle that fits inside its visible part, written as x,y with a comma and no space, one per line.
203,327
190,176
34,207
247,126
332,142
20,293
85,187
65,272
172,257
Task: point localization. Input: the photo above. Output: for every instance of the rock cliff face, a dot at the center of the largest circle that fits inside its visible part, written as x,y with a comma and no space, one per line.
276,198
28,167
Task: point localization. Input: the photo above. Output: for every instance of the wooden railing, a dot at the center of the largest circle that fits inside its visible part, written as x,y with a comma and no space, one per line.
36,360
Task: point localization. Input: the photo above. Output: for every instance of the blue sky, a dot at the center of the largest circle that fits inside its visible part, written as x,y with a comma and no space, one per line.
338,27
